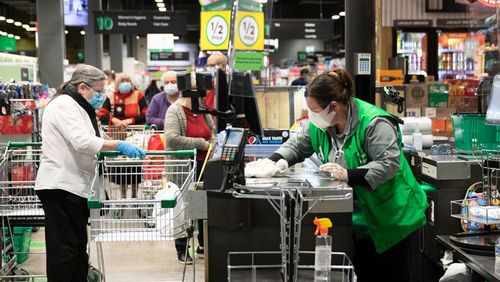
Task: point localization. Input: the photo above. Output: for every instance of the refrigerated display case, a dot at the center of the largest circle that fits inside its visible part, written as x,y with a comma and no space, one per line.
460,55
413,46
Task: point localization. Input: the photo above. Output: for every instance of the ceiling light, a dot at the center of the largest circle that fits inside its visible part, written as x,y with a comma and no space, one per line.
17,37
159,1
335,17
9,20
342,14
137,37
31,29
82,32
2,18
25,26
65,32
3,33
160,5
10,35
162,9
18,24
262,1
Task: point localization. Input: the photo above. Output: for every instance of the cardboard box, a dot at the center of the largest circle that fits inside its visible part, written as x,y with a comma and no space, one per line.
463,87
413,112
439,112
390,77
464,104
416,95
438,95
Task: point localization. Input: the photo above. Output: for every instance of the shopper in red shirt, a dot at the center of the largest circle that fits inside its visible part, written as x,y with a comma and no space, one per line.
187,130
124,107
214,62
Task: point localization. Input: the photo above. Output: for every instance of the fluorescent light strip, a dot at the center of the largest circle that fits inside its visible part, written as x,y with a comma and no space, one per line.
17,37
159,1
342,14
2,18
160,5
25,26
31,29
18,24
9,20
162,9
10,35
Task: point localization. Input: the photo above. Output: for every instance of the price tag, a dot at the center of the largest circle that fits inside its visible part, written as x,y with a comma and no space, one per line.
214,33
248,30
217,30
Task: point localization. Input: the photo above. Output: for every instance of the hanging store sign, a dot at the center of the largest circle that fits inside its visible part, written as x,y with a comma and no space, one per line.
249,31
412,23
244,61
169,56
140,22
457,23
214,31
302,28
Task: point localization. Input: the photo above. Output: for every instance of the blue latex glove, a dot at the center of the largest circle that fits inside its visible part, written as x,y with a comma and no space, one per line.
130,150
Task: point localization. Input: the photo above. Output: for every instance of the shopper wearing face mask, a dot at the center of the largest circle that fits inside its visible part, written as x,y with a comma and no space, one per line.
215,61
185,130
126,106
71,141
360,144
161,101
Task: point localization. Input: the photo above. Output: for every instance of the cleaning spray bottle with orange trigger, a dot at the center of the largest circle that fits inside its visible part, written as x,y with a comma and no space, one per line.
323,252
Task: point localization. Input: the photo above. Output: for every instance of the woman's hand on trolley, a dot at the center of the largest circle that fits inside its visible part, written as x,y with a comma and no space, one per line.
336,171
130,150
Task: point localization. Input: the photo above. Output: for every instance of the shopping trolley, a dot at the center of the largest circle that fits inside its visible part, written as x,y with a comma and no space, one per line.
158,212
19,205
137,134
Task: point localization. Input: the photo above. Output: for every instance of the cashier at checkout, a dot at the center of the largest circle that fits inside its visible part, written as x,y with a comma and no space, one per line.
360,144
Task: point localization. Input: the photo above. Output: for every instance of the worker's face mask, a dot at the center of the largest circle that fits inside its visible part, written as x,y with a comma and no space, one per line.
97,98
322,119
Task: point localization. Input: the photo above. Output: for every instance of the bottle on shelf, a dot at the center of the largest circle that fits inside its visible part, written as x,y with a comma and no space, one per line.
323,251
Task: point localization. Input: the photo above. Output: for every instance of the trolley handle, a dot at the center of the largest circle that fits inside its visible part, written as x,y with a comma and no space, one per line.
190,153
11,144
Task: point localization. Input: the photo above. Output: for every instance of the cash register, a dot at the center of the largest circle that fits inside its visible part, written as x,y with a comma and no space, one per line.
237,106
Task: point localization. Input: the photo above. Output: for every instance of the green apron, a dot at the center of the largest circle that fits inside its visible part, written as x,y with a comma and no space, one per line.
396,208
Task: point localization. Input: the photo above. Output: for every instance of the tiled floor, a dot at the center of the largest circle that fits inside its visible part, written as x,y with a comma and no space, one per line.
130,261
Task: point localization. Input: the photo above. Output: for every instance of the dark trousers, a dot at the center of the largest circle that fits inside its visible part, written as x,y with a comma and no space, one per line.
392,265
181,243
66,218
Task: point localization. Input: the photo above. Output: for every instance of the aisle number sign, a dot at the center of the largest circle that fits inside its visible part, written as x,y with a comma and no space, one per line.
215,30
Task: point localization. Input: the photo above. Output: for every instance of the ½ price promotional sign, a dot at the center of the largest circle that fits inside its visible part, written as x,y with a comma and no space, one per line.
215,28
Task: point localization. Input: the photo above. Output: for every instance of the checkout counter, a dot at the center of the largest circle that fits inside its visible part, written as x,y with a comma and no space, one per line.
247,222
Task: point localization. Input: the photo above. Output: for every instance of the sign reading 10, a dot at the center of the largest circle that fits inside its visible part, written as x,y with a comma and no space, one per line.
104,23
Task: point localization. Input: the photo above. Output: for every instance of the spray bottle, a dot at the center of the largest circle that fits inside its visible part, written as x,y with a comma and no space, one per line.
323,251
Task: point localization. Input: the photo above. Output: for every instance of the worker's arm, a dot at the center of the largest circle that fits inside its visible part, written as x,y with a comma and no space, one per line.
382,148
296,149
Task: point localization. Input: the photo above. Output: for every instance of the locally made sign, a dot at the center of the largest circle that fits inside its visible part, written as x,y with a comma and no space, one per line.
140,22
302,28
450,23
244,61
412,23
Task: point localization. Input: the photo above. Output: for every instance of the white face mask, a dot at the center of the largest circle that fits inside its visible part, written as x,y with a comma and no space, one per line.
322,119
171,89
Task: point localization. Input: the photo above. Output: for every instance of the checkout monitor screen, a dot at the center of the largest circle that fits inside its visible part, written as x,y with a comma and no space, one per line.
493,112
233,138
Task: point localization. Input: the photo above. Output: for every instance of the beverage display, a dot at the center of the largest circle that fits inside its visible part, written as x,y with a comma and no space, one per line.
413,46
457,55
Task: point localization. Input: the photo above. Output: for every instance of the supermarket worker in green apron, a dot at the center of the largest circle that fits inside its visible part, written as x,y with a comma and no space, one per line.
360,144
